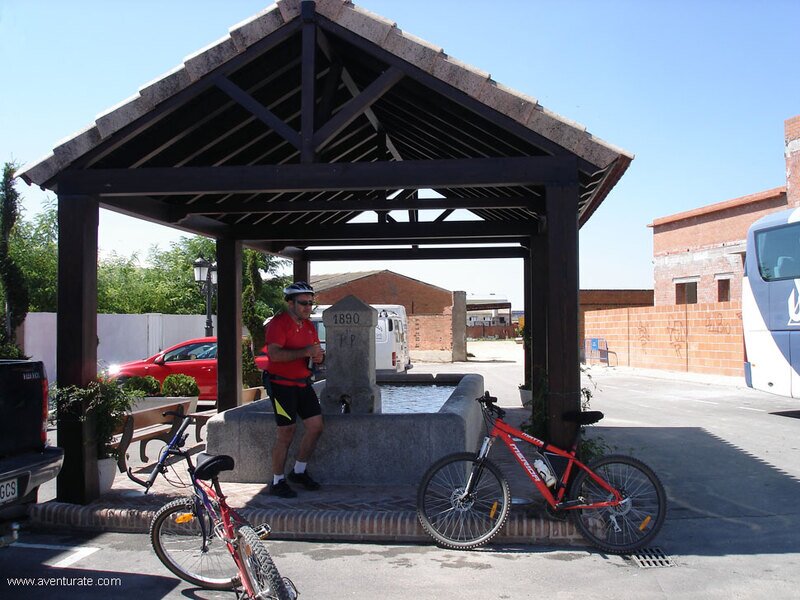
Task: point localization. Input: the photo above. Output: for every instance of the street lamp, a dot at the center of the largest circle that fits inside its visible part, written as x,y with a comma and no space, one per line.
205,274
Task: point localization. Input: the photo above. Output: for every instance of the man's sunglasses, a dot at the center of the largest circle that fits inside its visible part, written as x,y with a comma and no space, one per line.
304,302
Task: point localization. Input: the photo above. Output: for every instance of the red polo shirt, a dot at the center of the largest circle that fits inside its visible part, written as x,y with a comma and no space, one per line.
286,333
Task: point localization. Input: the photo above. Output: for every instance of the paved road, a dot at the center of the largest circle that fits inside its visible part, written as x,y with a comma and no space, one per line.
729,458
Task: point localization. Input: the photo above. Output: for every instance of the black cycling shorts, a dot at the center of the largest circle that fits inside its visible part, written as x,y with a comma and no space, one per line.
291,401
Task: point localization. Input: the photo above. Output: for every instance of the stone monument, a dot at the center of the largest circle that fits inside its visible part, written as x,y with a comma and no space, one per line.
350,357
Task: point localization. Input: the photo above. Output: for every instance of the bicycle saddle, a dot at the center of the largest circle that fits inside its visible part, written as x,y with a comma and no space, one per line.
208,466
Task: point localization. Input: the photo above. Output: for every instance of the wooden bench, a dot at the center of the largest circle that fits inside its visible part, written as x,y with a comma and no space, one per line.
145,424
202,417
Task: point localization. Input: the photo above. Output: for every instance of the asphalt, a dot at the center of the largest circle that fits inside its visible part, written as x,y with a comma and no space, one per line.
372,513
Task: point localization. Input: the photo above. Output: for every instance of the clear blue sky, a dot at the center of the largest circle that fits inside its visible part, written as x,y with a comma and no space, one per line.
697,90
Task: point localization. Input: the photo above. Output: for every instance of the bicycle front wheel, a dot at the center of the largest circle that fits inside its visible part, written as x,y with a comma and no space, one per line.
176,533
261,573
454,517
632,524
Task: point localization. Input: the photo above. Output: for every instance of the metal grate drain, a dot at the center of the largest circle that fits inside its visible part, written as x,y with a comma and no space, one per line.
650,558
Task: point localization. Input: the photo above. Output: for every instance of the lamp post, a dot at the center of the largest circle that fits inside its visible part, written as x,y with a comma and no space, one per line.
205,274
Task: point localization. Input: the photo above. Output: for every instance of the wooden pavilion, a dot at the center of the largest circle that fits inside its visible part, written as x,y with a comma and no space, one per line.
310,127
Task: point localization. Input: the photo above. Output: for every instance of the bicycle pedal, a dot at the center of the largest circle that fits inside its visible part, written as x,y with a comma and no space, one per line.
262,531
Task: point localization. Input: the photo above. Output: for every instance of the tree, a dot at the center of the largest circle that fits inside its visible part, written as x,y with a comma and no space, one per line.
34,246
12,279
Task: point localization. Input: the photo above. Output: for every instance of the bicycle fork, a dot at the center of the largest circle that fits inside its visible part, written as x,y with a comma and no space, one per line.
477,468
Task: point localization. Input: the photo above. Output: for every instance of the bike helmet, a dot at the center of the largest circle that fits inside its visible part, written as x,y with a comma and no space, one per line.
298,287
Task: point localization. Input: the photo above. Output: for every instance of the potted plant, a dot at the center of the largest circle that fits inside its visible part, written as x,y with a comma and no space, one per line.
107,404
251,374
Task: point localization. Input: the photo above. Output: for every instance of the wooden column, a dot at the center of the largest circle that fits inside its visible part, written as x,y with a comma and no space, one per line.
301,270
527,266
76,346
539,286
563,360
229,324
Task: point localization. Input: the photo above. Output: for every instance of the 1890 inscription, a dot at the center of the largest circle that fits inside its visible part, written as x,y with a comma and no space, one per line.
346,318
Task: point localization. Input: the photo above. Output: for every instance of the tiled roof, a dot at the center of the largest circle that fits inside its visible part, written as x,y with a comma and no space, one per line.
428,57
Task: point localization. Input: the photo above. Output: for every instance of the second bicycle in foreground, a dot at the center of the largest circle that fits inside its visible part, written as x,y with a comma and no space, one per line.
617,502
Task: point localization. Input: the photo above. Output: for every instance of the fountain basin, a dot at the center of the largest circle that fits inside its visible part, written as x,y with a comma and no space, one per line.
356,448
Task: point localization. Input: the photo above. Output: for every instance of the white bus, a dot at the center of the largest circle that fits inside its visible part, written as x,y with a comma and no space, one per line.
771,304
391,336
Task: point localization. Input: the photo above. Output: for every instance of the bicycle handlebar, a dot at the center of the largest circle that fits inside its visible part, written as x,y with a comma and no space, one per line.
490,404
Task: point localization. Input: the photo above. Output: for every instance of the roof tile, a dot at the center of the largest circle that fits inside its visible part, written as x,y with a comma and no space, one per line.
209,58
507,101
331,8
260,25
367,24
460,75
166,86
418,52
290,9
77,144
117,117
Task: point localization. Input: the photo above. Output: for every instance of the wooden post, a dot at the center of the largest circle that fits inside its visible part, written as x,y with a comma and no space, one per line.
76,346
539,286
229,324
563,359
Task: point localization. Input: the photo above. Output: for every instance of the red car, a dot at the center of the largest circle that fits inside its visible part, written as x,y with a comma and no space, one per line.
197,358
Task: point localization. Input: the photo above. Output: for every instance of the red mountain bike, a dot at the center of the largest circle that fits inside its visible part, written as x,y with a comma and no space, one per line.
618,504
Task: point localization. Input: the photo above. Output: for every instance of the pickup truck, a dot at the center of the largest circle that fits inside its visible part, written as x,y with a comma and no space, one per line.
26,461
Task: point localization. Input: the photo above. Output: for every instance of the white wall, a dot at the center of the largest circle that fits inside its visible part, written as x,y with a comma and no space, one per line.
122,337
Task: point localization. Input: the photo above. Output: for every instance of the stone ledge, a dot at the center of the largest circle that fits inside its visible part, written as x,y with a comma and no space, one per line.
307,524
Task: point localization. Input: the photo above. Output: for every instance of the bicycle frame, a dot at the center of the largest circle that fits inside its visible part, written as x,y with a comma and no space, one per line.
209,496
510,435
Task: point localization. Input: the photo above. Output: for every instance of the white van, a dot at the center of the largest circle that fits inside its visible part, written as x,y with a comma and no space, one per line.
391,336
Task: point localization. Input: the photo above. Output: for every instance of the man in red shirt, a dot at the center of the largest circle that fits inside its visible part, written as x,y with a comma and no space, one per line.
293,347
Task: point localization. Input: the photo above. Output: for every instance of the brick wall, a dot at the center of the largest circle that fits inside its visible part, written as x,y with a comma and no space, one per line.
429,309
707,244
431,332
792,153
387,287
699,338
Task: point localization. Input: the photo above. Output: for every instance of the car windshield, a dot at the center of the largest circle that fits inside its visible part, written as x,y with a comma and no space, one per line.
199,350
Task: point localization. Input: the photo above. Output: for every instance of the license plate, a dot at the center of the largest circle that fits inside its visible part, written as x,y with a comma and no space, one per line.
8,490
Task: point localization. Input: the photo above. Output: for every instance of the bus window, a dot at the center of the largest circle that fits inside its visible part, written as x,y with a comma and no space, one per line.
778,252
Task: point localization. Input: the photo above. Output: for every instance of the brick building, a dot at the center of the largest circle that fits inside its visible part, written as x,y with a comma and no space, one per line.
697,254
436,316
696,323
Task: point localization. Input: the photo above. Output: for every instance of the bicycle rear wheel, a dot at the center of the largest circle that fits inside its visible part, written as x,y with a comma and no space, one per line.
632,524
453,518
262,574
177,539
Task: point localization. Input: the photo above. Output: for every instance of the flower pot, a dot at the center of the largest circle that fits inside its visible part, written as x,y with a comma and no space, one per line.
526,397
251,394
106,471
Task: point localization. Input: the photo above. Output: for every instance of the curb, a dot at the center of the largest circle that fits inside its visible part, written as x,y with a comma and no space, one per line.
308,524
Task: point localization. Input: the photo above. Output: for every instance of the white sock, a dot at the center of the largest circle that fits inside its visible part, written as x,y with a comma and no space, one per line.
276,479
300,467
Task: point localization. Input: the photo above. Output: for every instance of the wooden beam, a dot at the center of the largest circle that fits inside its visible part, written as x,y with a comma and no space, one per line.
378,232
308,81
277,247
261,112
415,254
450,173
236,206
356,107
354,90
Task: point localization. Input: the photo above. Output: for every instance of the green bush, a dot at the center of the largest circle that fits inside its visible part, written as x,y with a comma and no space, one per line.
146,386
178,384
105,400
9,350
251,375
